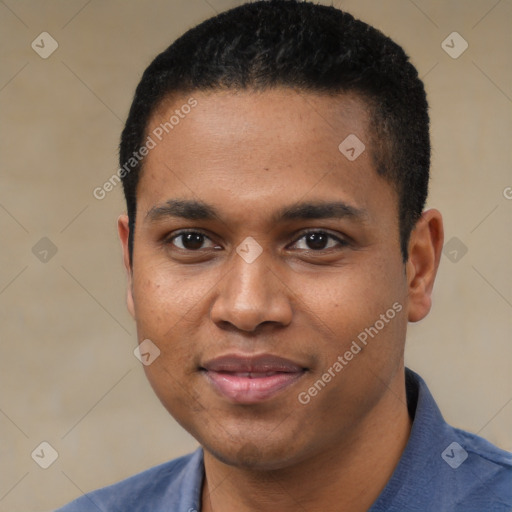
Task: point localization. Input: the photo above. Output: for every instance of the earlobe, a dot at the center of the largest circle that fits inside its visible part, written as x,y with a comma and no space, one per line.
124,231
425,246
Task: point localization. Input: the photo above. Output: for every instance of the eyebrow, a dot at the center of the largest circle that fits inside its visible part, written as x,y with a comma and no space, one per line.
199,210
185,209
321,210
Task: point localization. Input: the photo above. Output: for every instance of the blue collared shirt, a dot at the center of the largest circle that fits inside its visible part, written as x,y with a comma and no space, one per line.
442,469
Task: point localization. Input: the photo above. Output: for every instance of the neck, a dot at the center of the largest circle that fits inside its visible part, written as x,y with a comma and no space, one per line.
349,477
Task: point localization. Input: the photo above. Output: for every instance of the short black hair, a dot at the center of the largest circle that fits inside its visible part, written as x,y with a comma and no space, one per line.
307,47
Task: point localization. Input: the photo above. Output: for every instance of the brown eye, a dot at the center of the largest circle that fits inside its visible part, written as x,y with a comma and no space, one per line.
318,241
190,240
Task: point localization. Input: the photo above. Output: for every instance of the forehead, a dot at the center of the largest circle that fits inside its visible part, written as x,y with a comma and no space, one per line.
265,146
256,113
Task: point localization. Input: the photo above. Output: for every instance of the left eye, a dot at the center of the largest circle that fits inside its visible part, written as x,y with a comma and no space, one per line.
319,240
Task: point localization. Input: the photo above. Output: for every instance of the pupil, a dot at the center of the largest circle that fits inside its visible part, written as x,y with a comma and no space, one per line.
316,240
192,240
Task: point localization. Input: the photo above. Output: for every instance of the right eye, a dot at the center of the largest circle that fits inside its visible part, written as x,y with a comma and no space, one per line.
190,241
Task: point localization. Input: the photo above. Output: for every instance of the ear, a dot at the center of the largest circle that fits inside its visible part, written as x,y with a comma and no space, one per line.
123,229
425,246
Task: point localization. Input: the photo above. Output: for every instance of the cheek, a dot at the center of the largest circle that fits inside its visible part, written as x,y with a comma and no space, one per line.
355,293
167,308
170,310
178,394
362,303
164,299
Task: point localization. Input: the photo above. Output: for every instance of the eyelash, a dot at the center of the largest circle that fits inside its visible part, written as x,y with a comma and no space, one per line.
341,242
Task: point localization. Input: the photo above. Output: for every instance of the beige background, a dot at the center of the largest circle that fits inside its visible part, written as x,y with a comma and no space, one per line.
68,374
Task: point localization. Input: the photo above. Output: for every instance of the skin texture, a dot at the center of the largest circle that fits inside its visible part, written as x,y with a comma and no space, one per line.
249,155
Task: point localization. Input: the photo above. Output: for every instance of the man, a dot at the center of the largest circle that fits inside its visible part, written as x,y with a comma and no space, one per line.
275,164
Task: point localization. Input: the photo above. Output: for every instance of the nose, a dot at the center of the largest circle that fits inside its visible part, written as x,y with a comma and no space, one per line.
250,295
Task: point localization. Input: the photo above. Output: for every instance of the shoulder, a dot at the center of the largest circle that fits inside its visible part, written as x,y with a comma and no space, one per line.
173,483
467,472
485,471
445,468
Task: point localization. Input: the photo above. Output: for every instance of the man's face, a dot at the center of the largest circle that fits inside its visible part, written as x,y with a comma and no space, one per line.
244,336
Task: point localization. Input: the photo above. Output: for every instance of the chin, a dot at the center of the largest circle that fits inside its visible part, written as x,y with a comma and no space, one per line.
249,456
253,451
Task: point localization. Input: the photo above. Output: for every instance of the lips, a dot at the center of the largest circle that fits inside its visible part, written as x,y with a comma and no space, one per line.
251,379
